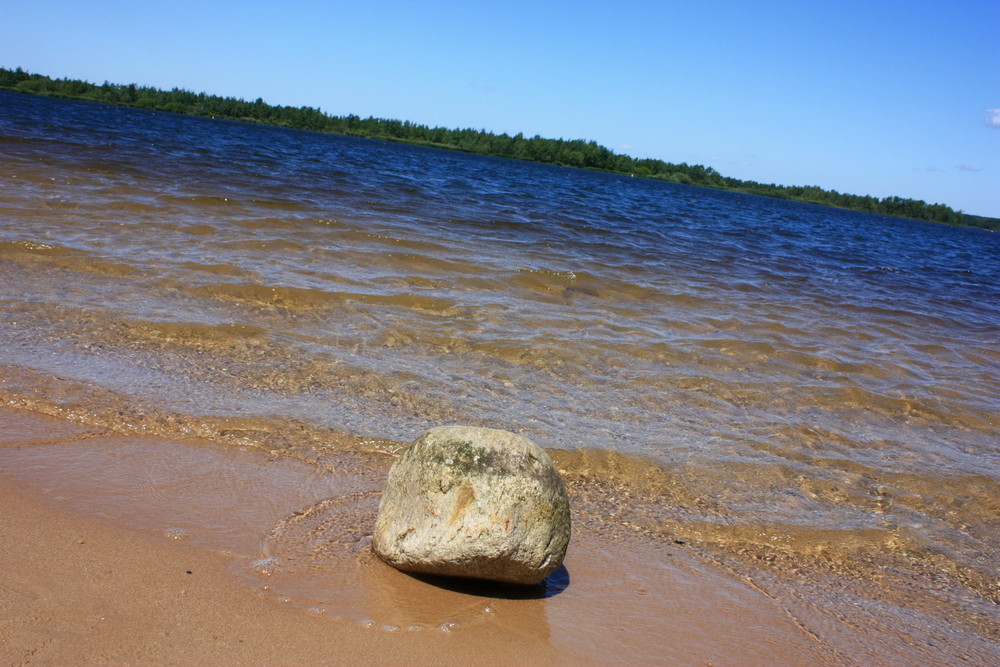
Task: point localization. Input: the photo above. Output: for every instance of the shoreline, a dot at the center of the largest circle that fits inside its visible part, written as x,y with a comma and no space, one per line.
79,590
93,575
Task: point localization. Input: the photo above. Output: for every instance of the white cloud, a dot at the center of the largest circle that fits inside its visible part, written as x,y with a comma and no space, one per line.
993,118
968,167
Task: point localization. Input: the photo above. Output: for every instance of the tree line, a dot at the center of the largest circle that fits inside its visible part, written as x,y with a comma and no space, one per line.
571,153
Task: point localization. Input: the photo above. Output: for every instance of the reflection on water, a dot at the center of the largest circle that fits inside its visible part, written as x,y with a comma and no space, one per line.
807,395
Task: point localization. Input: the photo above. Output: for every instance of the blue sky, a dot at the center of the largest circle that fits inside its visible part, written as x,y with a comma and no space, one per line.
875,97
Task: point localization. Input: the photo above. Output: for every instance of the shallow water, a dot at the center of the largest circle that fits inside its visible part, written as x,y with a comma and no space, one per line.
805,395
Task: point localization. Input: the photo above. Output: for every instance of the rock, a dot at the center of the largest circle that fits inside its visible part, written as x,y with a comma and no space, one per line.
474,502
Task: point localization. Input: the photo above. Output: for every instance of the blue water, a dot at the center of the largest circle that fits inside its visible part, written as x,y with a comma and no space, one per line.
754,375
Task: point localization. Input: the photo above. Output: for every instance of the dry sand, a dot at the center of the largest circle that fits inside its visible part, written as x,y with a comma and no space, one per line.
90,576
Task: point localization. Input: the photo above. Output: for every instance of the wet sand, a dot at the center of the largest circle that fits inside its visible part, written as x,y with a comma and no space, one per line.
113,556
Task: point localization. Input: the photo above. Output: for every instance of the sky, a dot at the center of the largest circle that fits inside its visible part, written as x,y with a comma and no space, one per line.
873,97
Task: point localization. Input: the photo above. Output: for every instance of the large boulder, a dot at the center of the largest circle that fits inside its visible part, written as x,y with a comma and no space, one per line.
474,502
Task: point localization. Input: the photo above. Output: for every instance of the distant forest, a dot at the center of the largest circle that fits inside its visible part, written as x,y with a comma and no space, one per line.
571,153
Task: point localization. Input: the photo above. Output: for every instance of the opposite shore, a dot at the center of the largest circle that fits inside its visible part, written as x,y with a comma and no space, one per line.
578,153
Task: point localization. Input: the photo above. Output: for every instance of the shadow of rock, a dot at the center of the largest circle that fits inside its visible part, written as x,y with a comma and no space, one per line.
552,585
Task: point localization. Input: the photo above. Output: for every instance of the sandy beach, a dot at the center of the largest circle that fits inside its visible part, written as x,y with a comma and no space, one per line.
107,581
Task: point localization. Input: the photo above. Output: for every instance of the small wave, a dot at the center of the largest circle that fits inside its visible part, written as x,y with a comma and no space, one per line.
205,201
270,246
923,409
229,270
282,204
550,274
71,259
33,248
191,333
298,298
581,284
83,403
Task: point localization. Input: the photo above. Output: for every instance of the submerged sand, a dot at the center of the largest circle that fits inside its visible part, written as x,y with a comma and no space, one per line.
113,554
